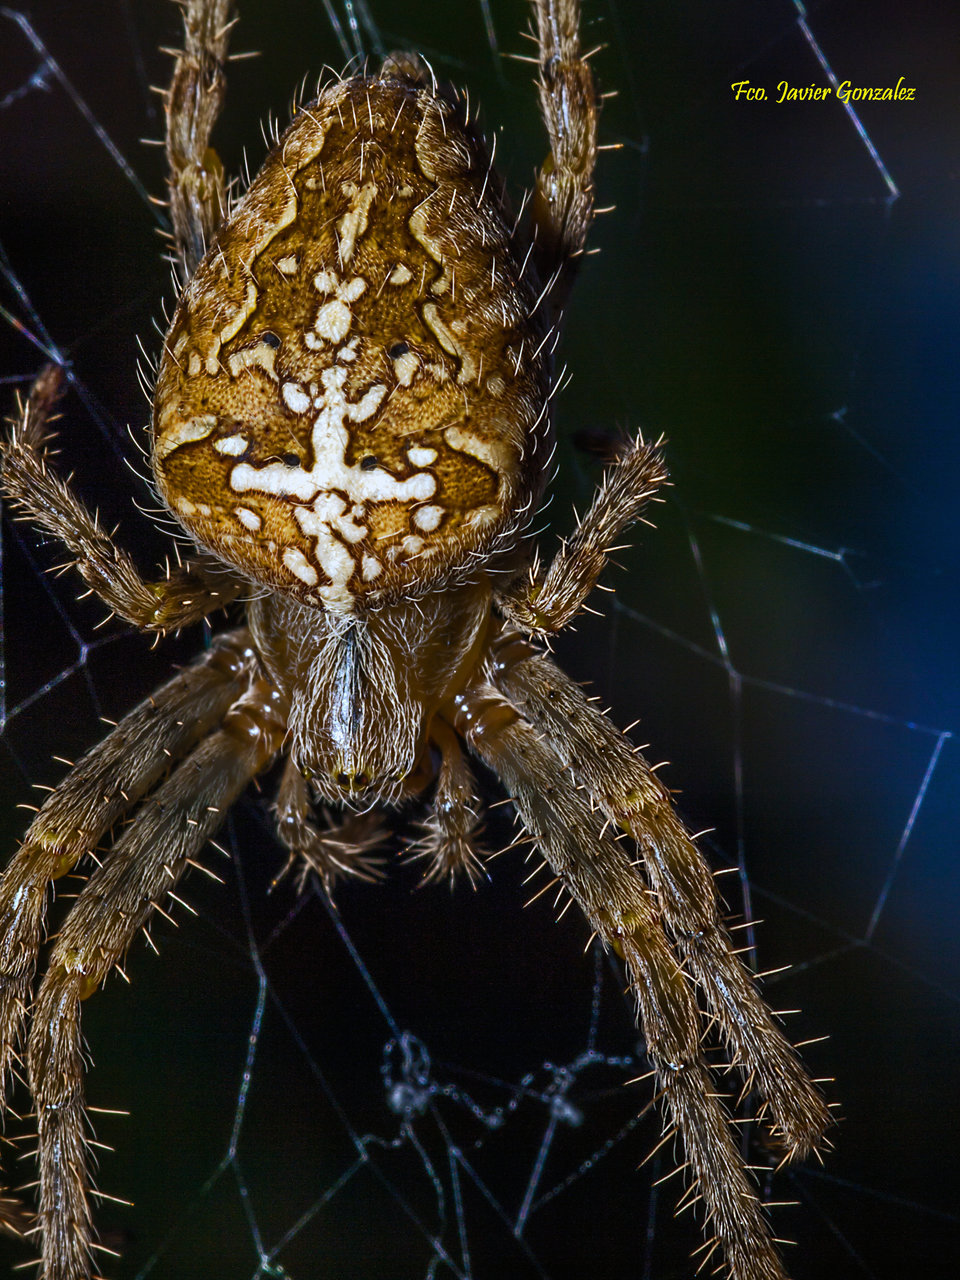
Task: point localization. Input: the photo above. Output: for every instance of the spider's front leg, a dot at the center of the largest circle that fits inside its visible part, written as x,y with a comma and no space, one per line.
622,784
599,875
147,860
186,595
629,794
95,795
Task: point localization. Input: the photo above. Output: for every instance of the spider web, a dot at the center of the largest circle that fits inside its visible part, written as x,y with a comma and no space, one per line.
425,1084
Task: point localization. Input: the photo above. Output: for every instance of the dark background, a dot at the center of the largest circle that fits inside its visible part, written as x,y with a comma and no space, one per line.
788,635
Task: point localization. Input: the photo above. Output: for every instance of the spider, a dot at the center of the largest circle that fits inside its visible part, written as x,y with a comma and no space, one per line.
353,425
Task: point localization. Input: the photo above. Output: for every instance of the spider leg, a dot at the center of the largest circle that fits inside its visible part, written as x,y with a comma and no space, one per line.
599,875
562,207
341,850
97,792
446,839
546,603
147,860
186,595
629,794
193,104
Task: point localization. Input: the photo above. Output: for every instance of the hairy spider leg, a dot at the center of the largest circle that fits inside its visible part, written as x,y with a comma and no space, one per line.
544,603
168,831
193,104
101,787
447,834
600,877
187,594
631,796
628,793
562,208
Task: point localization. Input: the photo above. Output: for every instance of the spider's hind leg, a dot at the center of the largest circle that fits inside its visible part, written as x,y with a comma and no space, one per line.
563,199
193,103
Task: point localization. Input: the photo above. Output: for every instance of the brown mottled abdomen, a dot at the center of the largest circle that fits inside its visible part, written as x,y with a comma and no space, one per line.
352,399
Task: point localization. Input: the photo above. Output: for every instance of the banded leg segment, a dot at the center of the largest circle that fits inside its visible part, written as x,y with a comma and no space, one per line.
170,828
193,104
546,603
628,793
97,792
598,874
563,198
187,594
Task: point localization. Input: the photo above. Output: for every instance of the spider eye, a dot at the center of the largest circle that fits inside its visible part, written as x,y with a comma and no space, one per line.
270,339
291,459
369,462
352,782
397,350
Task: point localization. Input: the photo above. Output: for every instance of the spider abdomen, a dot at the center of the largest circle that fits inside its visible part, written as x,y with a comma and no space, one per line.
352,399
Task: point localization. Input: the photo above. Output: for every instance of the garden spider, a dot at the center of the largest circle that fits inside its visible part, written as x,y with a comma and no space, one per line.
352,422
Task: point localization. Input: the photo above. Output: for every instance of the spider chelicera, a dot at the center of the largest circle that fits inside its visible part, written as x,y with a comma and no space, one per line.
352,422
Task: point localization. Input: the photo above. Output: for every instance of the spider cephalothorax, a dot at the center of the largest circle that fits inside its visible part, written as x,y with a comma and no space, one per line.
363,690
352,422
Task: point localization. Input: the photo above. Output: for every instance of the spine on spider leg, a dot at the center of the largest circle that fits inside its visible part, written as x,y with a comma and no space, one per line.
600,877
630,795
